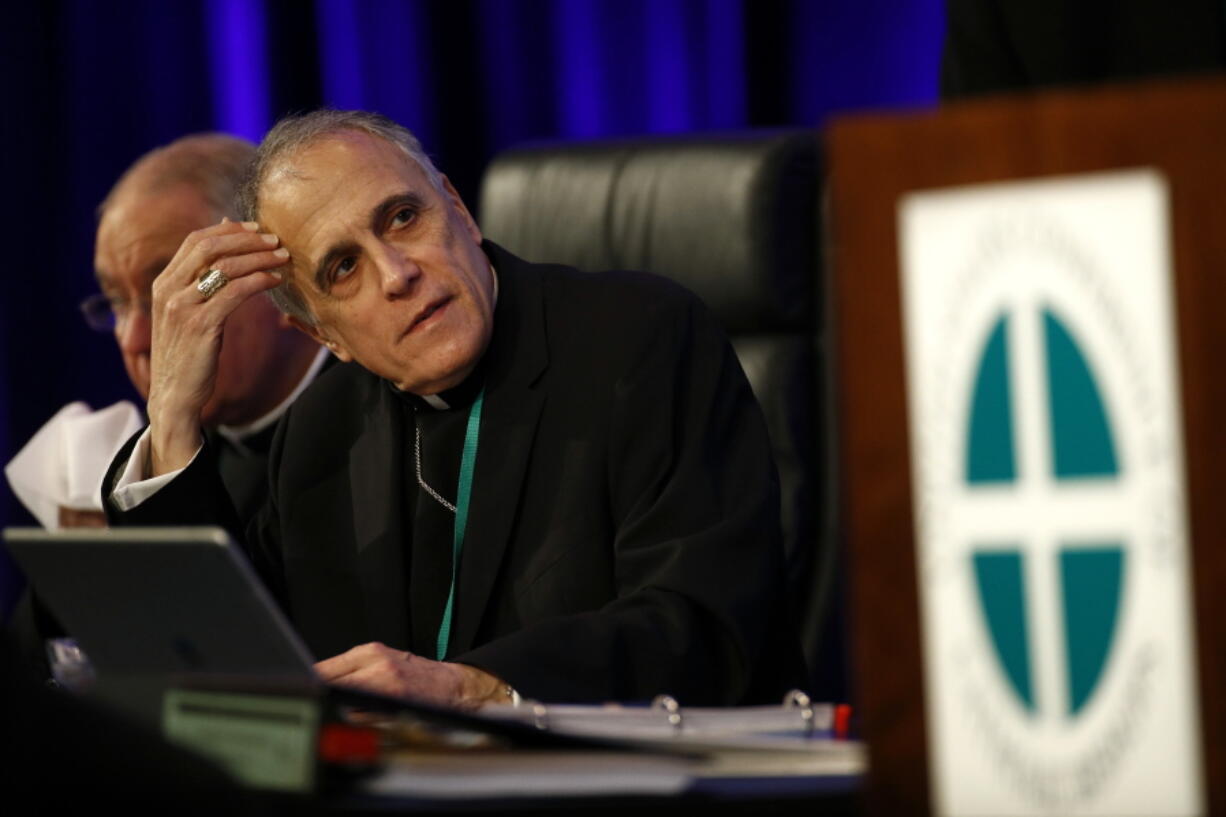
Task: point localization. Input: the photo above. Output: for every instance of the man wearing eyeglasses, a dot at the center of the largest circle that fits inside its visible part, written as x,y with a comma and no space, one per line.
167,194
265,364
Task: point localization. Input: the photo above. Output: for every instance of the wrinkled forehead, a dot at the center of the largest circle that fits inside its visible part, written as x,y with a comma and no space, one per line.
330,163
325,193
331,176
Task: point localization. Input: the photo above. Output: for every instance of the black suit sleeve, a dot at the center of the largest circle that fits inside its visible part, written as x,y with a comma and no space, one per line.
197,497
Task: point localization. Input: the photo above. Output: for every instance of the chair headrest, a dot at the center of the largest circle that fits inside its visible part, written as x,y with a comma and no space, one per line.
731,217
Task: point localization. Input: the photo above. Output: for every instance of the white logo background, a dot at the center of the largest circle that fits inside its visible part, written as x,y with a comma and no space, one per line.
1093,250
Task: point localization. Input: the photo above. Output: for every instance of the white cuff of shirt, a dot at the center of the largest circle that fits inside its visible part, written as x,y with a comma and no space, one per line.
133,487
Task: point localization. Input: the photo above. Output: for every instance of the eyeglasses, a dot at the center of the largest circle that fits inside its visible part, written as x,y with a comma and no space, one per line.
103,313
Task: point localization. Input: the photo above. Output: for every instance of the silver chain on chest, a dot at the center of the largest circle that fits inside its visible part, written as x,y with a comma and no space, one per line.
420,479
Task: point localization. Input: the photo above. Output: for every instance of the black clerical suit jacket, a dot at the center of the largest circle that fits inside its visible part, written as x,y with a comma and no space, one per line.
243,466
623,539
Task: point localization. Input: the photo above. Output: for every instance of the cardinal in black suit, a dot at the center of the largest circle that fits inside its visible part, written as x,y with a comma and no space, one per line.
537,482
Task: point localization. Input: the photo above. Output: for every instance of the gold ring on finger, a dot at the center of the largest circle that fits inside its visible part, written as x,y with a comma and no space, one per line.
211,283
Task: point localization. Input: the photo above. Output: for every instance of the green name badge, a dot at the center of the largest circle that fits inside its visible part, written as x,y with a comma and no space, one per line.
264,741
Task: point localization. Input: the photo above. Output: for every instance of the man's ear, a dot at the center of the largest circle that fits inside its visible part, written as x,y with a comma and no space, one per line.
470,223
319,337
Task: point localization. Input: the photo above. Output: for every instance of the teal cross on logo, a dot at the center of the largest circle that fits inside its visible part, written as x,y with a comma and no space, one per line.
1043,467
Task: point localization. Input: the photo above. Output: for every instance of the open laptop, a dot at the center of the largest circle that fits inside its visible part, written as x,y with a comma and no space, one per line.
160,607
161,602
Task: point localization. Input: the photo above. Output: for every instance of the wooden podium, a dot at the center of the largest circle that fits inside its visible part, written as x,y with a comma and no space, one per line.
1176,131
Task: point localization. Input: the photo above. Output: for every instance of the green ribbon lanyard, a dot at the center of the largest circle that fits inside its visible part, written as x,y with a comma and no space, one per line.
467,460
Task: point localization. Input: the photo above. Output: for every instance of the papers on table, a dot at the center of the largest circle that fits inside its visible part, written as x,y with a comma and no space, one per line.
641,751
531,773
674,722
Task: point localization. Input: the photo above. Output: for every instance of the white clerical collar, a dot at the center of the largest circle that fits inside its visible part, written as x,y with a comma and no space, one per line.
435,402
236,434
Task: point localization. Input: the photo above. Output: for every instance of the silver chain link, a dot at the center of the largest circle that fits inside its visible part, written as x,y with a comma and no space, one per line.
421,480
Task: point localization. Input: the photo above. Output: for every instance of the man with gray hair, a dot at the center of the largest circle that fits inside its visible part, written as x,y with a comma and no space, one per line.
526,479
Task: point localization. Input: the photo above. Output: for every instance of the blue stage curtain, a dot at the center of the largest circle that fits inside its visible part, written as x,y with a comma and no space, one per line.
91,84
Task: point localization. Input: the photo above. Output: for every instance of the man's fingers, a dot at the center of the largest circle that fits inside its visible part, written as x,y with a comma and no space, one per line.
233,294
380,669
335,667
204,249
392,676
356,658
214,250
187,316
365,677
237,266
245,275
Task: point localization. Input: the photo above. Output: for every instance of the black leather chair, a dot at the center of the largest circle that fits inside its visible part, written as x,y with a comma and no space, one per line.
735,218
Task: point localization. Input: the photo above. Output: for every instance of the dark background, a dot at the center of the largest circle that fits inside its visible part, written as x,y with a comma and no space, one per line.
90,85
